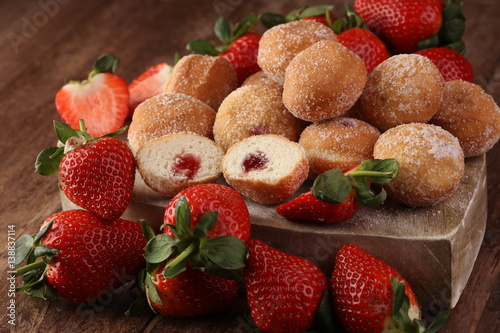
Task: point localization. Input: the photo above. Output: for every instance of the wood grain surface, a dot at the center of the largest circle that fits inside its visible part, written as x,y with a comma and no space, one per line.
45,43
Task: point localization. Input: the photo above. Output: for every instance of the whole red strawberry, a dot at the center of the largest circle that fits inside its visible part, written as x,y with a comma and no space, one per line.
401,23
364,291
451,64
206,228
284,292
240,45
84,256
191,293
366,45
95,174
337,196
242,54
150,83
233,216
101,101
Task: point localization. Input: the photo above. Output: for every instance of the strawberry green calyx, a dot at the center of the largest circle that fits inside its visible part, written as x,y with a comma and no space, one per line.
106,63
451,31
351,20
225,34
334,186
405,318
270,20
47,161
221,256
28,248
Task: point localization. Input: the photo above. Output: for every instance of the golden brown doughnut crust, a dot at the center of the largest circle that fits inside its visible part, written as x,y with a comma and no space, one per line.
340,143
323,81
262,79
403,89
431,163
470,114
167,114
281,43
252,110
287,171
207,78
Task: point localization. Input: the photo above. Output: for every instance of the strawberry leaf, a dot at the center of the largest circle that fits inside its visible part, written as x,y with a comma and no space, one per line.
222,30
243,27
64,131
227,252
331,186
107,63
159,248
183,218
42,232
23,247
48,160
438,322
206,222
45,251
270,20
200,46
314,11
147,230
151,291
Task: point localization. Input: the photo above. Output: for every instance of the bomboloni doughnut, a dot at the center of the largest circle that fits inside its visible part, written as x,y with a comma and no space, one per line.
470,114
167,114
265,168
253,110
281,43
207,78
262,79
323,81
340,143
403,89
175,162
431,163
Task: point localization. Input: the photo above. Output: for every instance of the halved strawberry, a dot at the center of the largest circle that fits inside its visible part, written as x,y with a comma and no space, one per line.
150,83
101,100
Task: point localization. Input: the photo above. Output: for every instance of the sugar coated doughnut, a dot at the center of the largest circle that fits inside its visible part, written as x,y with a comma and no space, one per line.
281,43
265,168
207,78
431,163
470,114
252,110
167,114
403,89
262,79
340,143
177,161
323,81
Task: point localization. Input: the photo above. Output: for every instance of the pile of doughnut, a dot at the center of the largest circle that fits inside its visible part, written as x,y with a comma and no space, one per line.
312,108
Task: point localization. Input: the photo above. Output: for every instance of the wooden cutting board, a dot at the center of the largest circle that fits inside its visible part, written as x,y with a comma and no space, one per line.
434,248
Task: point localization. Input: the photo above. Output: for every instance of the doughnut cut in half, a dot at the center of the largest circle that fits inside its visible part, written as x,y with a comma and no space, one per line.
175,162
265,168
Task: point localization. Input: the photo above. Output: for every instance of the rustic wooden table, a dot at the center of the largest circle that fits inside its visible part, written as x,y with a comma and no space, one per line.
48,42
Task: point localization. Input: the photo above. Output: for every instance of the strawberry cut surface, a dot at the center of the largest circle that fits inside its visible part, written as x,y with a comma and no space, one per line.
149,84
102,102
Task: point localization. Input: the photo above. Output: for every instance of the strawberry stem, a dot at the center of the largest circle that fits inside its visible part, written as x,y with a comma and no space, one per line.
30,267
182,256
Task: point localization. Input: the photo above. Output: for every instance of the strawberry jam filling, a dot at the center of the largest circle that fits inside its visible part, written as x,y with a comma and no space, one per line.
254,162
186,166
